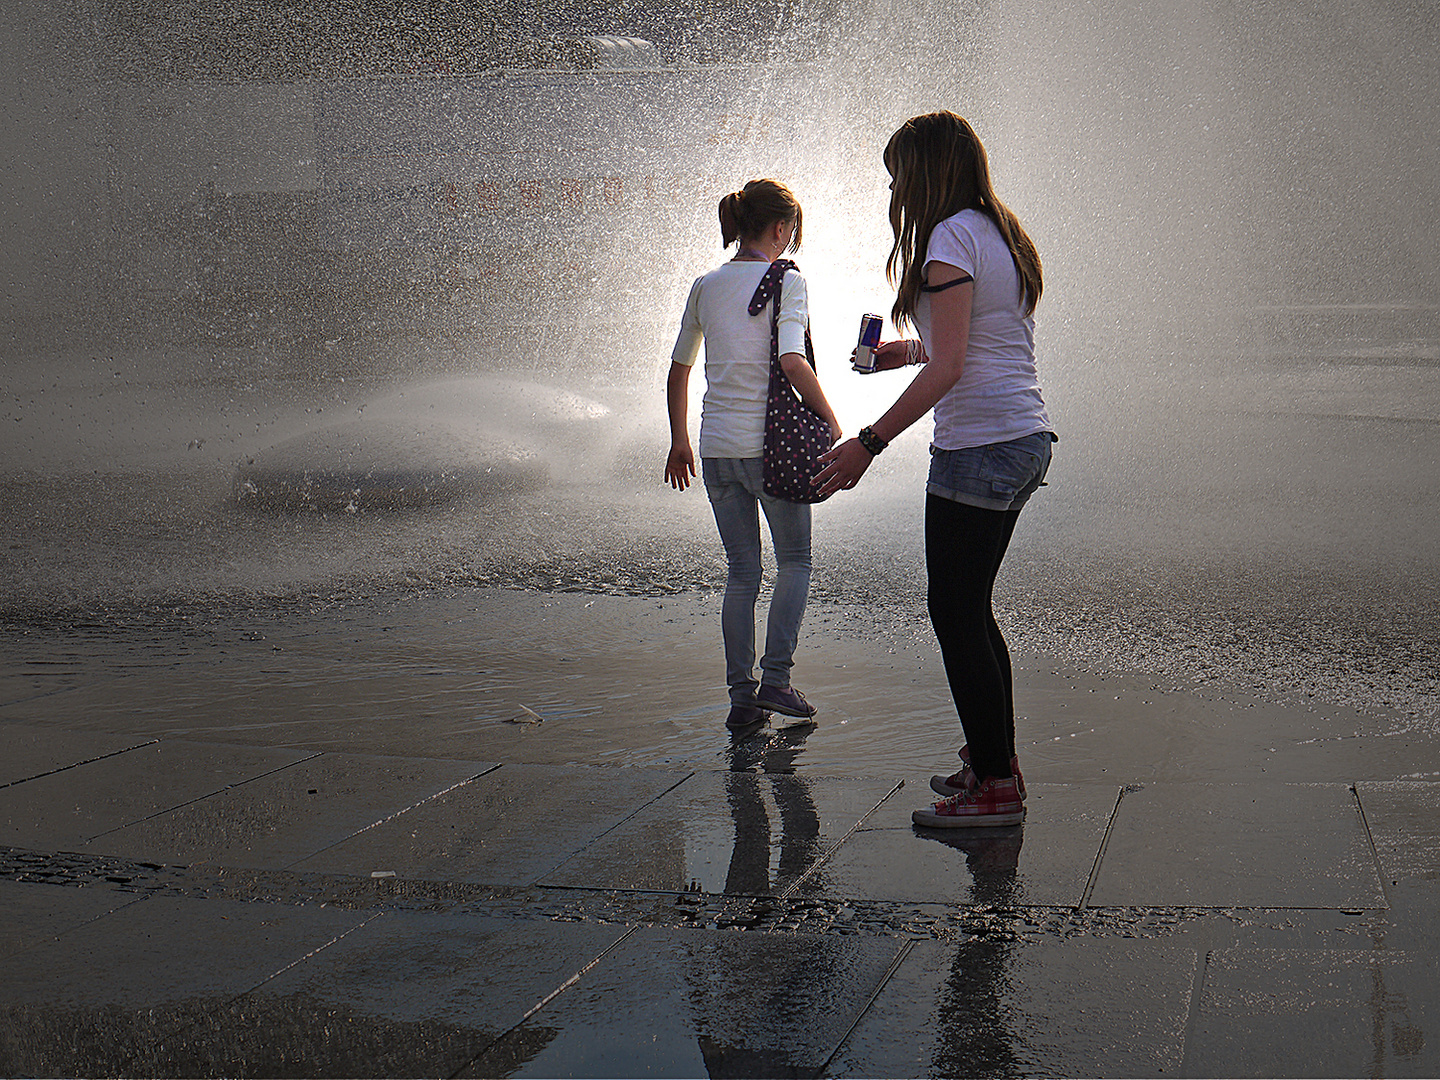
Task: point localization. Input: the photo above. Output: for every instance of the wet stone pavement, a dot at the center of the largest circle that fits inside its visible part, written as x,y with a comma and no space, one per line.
182,908
217,857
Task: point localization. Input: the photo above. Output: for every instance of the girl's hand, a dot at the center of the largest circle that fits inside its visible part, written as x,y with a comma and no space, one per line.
888,356
680,467
843,467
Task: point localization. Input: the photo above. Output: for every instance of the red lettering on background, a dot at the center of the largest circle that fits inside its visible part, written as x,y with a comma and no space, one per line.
487,194
738,128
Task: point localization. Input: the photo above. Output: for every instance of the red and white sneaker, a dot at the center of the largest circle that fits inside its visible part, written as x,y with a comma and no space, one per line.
993,803
965,778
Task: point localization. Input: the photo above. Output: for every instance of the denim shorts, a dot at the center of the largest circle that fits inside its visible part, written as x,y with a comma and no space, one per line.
999,476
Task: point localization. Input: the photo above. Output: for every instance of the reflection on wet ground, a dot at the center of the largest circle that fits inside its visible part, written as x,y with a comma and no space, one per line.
454,935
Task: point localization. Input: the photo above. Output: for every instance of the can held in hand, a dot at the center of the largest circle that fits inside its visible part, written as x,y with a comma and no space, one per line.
870,327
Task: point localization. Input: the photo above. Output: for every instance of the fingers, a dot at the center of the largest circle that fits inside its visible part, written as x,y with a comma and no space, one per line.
678,473
891,354
888,356
843,467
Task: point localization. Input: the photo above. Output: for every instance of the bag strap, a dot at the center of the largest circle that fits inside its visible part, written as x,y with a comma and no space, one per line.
768,288
770,284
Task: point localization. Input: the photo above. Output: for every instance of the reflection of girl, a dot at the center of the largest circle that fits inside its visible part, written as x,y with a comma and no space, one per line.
765,220
968,279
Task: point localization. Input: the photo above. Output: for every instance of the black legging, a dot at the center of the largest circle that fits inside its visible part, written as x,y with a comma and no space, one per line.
964,546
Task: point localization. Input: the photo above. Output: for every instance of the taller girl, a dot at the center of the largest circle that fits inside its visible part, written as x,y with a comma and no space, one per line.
968,279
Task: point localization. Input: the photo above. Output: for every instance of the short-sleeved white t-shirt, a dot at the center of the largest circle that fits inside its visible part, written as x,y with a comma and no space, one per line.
998,396
737,352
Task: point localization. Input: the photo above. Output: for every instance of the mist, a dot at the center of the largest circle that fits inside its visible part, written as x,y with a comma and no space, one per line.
323,237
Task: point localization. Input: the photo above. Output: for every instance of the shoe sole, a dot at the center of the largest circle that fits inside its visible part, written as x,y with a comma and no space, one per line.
764,715
931,820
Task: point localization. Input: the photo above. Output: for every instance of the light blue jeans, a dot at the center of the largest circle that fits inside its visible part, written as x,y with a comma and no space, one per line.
737,494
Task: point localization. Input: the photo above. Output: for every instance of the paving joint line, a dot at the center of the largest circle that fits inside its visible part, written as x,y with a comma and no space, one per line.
1370,840
1089,890
77,764
790,889
207,795
391,817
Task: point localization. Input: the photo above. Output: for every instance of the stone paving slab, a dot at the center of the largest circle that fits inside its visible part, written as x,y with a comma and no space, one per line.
32,750
21,683
696,1003
737,833
1253,845
104,998
36,914
66,811
288,815
282,706
170,949
889,858
358,707
511,826
406,995
1317,1012
1402,816
1068,1008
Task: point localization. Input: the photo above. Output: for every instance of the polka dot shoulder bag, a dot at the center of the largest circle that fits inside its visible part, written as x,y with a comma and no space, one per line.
795,435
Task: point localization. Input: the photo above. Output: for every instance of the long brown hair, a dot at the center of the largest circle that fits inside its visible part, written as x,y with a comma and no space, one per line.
746,214
939,168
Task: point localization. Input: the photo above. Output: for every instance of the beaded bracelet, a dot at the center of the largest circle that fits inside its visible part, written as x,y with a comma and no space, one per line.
870,441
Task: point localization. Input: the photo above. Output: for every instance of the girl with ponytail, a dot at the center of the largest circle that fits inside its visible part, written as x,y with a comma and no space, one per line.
967,278
763,221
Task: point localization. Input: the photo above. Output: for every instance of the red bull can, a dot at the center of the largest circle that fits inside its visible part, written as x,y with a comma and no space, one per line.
870,327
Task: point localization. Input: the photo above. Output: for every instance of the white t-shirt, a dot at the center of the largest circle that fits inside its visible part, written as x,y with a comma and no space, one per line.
737,352
998,396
